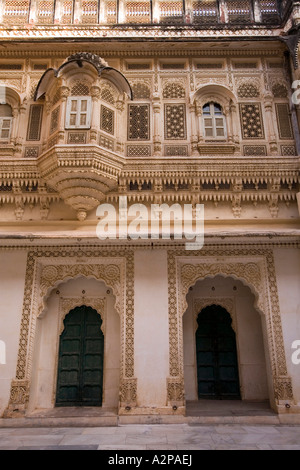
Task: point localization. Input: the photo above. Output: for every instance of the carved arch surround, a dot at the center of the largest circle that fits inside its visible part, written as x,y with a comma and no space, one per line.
216,93
255,268
46,268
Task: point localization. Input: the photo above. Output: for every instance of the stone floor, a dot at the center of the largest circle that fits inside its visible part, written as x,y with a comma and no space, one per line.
211,425
159,437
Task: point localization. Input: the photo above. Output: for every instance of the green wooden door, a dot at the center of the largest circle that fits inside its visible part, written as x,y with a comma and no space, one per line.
80,365
217,366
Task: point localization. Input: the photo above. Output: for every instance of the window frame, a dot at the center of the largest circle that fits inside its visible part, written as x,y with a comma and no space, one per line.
78,113
2,119
214,126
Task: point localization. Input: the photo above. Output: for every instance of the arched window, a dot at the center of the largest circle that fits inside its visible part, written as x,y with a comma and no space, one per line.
213,121
6,118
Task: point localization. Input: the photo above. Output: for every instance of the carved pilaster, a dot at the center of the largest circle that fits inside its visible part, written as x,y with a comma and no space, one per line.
175,391
128,393
19,396
268,100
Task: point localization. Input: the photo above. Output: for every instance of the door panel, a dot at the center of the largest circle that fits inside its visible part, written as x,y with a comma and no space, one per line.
217,367
80,367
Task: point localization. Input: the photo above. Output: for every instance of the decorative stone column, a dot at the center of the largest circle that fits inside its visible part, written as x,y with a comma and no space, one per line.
2,4
19,128
155,11
223,11
157,135
57,11
228,118
95,94
33,11
200,124
121,14
270,130
120,106
256,11
235,122
77,12
194,135
64,93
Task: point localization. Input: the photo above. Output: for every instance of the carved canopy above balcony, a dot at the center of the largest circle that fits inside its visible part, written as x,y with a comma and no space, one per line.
79,60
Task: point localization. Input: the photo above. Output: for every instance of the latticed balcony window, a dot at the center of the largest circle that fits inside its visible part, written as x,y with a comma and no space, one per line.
205,11
89,11
171,11
5,122
137,11
213,121
111,11
67,7
16,11
45,11
239,11
269,11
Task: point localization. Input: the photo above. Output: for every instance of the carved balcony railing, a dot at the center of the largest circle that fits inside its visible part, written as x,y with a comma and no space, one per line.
184,12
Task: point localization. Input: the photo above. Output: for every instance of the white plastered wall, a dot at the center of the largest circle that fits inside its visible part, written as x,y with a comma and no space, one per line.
12,281
249,336
44,368
151,329
287,265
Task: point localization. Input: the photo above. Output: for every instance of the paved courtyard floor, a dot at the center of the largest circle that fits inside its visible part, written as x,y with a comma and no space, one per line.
159,437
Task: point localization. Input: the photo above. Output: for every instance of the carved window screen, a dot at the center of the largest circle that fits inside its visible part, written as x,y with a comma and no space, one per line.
107,95
111,11
251,121
269,11
139,122
35,122
45,11
107,120
67,11
137,11
175,121
89,11
16,11
140,91
78,112
171,11
80,89
54,121
239,11
205,12
284,121
173,90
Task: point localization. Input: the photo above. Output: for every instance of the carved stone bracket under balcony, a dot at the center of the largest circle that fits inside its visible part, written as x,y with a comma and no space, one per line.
81,175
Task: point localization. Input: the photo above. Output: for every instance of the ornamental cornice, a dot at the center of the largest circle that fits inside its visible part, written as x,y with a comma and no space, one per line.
178,33
116,166
61,52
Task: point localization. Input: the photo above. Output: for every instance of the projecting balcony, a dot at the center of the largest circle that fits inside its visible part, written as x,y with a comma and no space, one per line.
199,13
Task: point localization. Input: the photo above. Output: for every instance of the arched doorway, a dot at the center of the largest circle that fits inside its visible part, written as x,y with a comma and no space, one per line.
80,363
217,365
247,325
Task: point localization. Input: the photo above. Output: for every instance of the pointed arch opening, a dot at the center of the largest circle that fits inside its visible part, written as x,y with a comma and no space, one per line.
224,343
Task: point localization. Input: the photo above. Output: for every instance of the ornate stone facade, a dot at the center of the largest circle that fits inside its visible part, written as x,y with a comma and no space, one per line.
196,107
